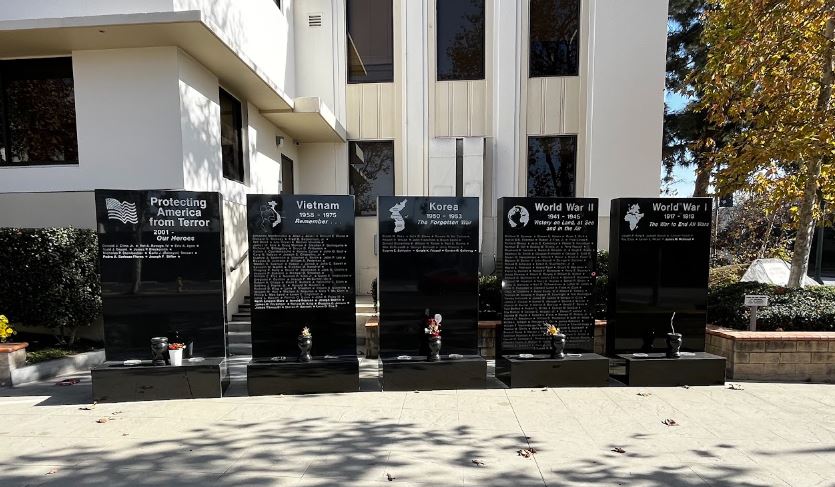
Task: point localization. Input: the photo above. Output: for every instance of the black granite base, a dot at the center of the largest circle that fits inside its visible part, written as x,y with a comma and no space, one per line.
587,370
700,369
266,377
116,382
468,372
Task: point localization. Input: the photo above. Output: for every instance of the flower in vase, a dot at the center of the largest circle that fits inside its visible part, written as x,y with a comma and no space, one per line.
551,330
176,346
306,333
6,331
432,329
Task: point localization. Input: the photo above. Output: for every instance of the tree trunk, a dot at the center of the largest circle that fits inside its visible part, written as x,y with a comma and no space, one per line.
702,182
806,220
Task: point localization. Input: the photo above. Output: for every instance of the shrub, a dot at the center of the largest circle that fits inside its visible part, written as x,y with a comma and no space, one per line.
808,309
489,293
49,277
600,295
726,274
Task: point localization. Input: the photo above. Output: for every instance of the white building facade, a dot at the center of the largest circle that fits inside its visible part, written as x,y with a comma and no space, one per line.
485,98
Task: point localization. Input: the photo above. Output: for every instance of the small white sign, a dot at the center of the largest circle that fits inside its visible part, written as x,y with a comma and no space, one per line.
756,300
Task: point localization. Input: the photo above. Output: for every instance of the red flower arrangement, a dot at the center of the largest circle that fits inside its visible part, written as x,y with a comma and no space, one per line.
433,326
176,346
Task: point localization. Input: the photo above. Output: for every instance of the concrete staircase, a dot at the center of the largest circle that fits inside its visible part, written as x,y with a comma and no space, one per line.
239,335
239,347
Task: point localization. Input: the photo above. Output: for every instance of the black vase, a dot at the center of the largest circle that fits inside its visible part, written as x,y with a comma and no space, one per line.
159,350
558,346
305,344
674,345
434,349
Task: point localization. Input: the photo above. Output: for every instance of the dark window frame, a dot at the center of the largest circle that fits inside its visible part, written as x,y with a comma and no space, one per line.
238,120
351,144
439,75
573,177
354,81
35,68
539,73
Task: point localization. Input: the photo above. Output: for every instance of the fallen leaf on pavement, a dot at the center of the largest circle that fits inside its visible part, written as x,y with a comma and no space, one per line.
644,394
735,387
52,471
114,413
478,462
102,420
670,422
388,476
67,382
618,449
685,386
526,452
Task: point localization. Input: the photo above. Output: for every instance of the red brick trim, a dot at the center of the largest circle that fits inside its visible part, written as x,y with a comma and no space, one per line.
772,335
12,347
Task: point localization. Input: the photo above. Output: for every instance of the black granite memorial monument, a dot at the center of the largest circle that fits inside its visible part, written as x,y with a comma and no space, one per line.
659,250
301,261
428,275
161,264
546,260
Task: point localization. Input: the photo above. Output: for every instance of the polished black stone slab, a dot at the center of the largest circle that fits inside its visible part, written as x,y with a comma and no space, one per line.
301,262
161,264
546,259
701,369
587,370
659,251
469,372
320,375
116,382
428,258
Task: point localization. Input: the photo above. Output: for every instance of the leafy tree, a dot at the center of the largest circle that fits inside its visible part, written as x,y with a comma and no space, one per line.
769,72
752,230
683,128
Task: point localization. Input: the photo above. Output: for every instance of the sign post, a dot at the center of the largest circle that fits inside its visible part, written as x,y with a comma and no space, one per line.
755,301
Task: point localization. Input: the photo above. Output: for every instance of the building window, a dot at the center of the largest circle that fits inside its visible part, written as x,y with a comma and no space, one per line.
288,183
370,41
460,42
37,112
231,137
371,174
555,38
551,165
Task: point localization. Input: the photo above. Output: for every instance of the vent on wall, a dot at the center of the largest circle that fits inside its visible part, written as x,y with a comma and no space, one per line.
314,20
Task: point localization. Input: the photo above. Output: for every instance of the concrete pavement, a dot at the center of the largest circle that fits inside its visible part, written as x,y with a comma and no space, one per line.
763,435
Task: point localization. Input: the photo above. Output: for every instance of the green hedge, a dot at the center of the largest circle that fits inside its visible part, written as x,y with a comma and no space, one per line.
49,277
808,309
489,293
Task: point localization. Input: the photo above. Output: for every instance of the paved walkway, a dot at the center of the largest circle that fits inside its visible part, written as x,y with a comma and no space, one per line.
765,434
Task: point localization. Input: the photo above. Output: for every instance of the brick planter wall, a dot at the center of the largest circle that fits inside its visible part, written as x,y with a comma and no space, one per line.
775,355
12,356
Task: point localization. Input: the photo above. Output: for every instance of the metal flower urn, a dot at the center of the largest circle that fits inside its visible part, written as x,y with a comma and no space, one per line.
159,350
305,344
674,345
558,346
434,349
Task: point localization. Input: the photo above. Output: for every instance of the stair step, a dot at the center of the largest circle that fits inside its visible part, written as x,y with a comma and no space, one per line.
240,338
240,328
241,317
